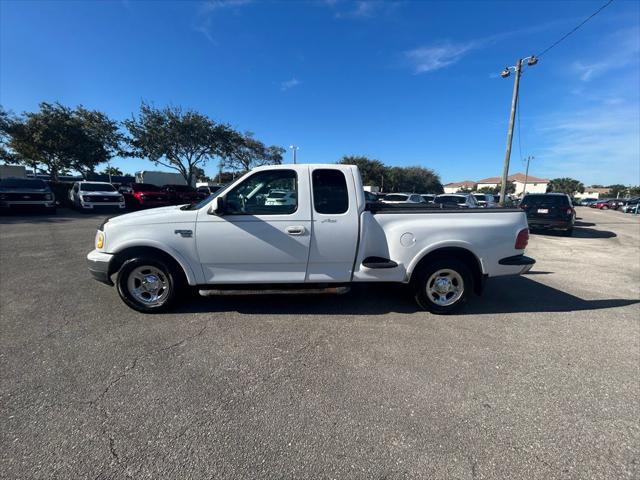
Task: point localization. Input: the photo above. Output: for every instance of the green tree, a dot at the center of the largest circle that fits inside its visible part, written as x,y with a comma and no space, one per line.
112,171
617,190
372,171
178,139
247,152
57,139
570,186
634,191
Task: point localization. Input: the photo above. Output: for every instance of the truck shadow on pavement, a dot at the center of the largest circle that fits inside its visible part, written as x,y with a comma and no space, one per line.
502,295
578,232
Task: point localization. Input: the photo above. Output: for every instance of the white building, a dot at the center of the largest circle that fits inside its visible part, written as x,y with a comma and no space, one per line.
593,192
457,186
534,184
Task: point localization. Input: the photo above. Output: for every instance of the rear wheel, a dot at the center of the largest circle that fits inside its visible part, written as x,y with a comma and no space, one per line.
148,284
443,286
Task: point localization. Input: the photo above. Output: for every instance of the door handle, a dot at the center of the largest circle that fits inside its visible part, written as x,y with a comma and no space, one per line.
295,230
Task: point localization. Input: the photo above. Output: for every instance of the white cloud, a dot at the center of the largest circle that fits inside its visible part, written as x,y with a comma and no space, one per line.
599,144
361,8
288,84
204,18
437,56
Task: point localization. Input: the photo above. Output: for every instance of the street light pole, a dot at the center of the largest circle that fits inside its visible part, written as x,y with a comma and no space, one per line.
517,69
526,175
512,117
294,148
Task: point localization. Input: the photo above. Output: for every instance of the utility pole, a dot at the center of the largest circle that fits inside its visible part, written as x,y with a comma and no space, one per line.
294,148
526,175
517,68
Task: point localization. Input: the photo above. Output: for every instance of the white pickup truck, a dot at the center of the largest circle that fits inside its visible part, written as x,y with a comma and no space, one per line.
323,240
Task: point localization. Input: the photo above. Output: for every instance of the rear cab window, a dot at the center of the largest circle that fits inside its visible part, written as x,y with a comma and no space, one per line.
546,201
330,195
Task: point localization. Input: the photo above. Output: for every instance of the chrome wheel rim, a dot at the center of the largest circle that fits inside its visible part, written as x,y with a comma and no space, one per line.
148,285
445,287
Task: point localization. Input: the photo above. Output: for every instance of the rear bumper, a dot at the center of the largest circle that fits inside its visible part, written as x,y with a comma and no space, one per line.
542,223
98,264
519,261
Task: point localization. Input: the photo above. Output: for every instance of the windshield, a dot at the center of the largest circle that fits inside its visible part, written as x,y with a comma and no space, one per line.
480,198
22,183
145,187
97,187
450,199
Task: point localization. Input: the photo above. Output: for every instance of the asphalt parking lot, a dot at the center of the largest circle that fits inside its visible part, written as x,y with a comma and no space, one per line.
539,378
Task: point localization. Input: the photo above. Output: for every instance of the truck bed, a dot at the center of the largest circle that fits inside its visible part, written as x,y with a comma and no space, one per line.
431,208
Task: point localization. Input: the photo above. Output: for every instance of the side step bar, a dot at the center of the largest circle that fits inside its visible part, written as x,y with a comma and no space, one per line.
210,292
378,262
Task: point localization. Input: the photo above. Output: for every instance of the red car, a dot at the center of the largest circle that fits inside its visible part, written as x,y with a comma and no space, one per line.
145,195
601,204
181,194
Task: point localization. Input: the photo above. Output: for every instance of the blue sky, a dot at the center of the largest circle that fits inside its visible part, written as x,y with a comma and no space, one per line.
409,83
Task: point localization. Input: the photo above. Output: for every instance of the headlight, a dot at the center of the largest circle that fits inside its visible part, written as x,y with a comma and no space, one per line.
99,240
121,198
86,198
2,196
48,196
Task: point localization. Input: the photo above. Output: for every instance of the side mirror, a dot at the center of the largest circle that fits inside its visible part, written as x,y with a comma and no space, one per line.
217,206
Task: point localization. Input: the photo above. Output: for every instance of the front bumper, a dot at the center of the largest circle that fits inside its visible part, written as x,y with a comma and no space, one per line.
98,263
519,260
102,205
27,203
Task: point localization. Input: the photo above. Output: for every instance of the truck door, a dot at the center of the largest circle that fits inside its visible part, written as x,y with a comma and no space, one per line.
334,237
264,234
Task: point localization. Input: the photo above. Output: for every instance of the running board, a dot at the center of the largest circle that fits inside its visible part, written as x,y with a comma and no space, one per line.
378,262
274,291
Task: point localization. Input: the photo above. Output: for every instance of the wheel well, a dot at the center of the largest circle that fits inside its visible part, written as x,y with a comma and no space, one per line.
132,252
459,253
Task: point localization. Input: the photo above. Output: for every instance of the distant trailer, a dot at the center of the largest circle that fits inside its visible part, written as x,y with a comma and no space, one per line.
13,171
160,178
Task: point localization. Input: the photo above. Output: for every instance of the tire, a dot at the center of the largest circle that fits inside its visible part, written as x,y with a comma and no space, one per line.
604,207
160,294
457,274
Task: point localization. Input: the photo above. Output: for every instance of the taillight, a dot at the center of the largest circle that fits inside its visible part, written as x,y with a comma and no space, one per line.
570,211
522,239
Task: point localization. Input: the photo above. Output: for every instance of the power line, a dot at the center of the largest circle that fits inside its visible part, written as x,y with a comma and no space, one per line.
576,28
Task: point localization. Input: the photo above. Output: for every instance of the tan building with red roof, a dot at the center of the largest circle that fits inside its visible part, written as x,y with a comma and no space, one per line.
534,184
457,186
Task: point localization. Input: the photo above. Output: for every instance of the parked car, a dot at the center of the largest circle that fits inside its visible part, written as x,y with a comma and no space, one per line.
182,194
549,211
586,202
20,193
280,197
145,195
601,204
486,200
403,198
429,197
456,200
91,196
617,203
324,241
630,205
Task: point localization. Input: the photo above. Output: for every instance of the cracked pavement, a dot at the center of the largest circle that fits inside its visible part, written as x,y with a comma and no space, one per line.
539,378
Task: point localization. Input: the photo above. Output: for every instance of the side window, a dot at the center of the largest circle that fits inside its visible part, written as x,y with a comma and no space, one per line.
330,194
272,192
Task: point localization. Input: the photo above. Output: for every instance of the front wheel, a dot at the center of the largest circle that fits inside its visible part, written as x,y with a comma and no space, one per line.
443,286
147,284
